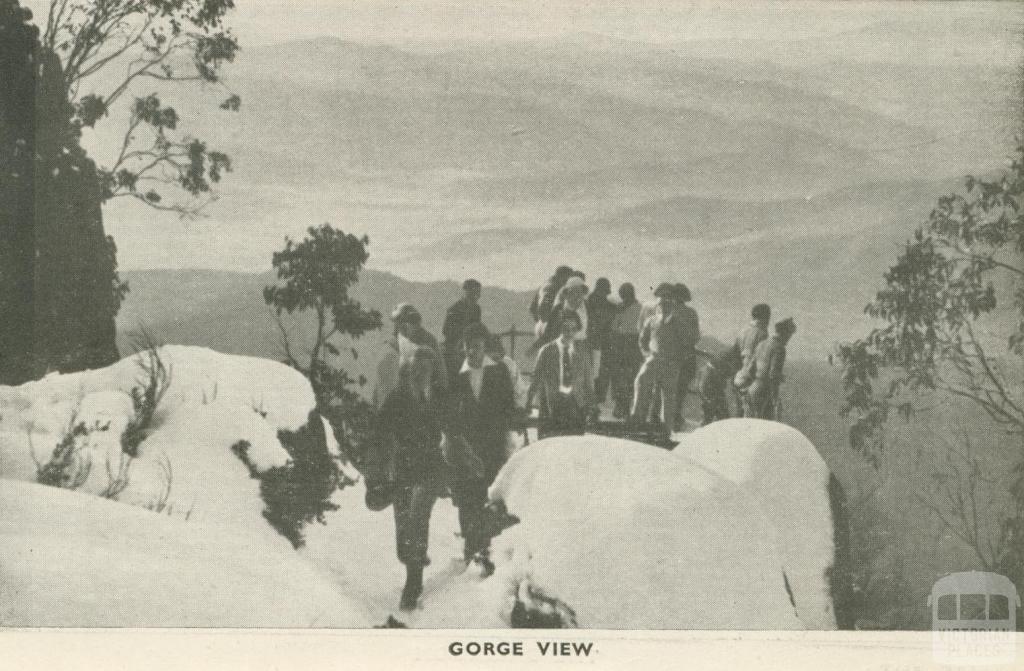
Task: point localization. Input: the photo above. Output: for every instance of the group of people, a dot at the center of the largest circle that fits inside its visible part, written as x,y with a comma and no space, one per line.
441,429
445,410
647,355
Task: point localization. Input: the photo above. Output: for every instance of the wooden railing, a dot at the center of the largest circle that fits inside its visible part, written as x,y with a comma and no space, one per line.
512,337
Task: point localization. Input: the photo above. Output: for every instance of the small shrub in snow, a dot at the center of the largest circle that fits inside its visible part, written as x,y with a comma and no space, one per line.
300,492
69,465
146,396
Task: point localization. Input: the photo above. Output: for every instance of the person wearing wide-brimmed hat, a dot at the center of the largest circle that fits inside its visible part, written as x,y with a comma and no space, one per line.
665,341
761,397
408,335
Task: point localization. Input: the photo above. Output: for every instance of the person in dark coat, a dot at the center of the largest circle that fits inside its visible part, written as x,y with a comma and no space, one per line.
406,465
544,300
482,410
599,334
688,364
624,354
461,314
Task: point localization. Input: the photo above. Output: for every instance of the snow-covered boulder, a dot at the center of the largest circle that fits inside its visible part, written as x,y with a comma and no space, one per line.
71,559
617,534
784,473
185,466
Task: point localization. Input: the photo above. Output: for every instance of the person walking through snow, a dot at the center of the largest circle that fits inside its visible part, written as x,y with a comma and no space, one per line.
482,411
405,467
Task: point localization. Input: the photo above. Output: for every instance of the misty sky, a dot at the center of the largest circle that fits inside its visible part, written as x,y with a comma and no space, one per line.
263,21
918,33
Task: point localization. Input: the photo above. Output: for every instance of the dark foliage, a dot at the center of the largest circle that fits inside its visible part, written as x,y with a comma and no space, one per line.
300,492
67,467
315,276
934,343
60,288
146,396
391,623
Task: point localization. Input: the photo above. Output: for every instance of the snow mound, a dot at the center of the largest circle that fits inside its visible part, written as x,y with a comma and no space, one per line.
780,468
185,466
76,560
617,534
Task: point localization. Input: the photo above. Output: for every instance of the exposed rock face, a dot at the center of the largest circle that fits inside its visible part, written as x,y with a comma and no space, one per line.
60,287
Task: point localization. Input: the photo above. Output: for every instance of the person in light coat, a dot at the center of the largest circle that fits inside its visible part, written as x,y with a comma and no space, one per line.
769,358
565,391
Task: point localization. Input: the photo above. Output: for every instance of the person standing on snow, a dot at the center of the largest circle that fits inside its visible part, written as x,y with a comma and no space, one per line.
461,314
482,411
690,325
544,300
562,380
405,466
601,312
665,342
624,351
746,345
769,358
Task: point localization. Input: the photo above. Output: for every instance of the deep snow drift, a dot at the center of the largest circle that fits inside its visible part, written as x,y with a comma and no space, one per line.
780,468
613,533
624,534
185,543
74,560
186,465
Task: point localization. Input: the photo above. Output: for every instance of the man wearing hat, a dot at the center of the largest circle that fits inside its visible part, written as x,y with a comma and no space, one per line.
408,335
761,399
461,314
665,341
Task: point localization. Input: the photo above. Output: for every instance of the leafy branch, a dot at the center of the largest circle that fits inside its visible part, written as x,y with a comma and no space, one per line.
155,40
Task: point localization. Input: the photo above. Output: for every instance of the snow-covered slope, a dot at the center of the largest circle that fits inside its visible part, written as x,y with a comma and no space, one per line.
782,470
75,560
613,534
185,465
625,535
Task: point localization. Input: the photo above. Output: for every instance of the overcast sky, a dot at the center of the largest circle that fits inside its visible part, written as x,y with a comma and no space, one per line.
263,21
267,21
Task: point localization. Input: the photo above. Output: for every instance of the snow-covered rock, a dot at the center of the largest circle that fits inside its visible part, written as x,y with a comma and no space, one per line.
623,535
185,465
71,559
782,470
